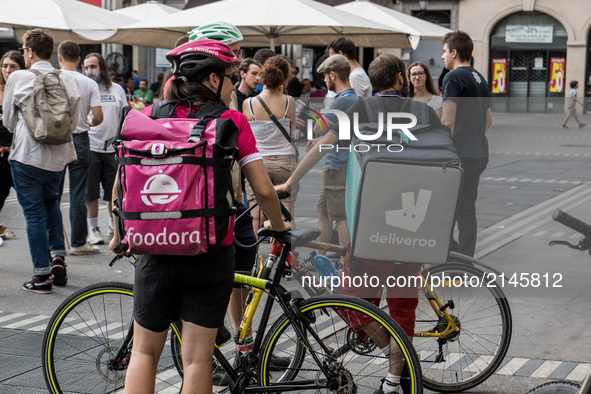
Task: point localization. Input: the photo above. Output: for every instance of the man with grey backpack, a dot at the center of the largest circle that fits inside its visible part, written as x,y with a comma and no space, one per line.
42,147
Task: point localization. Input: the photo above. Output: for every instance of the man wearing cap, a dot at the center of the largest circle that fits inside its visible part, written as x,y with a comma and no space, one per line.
331,203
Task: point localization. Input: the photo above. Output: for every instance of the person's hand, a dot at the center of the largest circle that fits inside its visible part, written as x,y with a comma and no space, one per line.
115,245
4,150
286,226
282,188
300,124
311,144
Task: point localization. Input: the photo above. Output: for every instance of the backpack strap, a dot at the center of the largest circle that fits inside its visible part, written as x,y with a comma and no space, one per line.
205,113
163,109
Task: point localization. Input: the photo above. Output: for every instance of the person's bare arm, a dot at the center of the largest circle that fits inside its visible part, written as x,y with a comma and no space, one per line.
265,194
115,240
309,161
448,114
488,119
97,116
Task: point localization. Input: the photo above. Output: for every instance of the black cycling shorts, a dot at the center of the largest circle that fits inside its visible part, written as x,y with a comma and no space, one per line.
196,289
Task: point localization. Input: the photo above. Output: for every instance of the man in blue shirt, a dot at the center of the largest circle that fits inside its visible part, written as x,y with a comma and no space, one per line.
331,203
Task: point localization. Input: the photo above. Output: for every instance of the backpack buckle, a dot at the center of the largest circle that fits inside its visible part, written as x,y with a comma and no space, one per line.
158,149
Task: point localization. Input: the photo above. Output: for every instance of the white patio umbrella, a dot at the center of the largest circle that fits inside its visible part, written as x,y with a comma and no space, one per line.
150,10
416,28
268,23
65,19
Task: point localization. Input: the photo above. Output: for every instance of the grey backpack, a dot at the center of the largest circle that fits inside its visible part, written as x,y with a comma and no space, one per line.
50,116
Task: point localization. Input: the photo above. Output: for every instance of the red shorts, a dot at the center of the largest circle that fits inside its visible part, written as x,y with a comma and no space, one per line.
402,301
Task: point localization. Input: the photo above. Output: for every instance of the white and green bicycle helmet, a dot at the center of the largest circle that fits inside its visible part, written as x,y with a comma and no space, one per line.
218,30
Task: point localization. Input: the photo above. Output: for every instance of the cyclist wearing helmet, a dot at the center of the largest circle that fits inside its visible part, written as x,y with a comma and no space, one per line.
195,289
220,31
244,258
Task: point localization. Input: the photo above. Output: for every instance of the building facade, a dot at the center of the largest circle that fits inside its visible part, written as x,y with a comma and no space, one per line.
529,49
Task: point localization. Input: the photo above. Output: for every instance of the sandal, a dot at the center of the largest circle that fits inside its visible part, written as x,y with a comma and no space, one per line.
5,233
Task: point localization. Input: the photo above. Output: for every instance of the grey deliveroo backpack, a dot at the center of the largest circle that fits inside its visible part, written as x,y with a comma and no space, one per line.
50,116
401,206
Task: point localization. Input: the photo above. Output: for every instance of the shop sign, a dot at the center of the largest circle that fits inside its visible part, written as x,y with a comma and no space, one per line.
535,34
499,75
557,74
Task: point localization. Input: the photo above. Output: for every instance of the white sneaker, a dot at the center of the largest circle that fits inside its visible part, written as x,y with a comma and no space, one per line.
110,233
84,249
95,237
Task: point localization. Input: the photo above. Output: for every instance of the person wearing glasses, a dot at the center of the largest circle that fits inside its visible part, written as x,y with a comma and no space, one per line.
195,289
422,87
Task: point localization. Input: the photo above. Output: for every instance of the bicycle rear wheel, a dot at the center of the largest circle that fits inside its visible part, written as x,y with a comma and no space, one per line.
469,356
343,333
86,333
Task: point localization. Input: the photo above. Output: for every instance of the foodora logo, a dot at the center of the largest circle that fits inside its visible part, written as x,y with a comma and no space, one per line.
345,124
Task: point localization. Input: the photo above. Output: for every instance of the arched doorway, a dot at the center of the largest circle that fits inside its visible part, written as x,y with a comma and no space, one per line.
528,60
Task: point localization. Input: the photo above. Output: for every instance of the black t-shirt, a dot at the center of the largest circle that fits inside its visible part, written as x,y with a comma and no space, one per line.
294,87
240,97
469,90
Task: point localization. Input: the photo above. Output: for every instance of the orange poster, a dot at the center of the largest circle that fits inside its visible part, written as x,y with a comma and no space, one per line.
557,74
499,76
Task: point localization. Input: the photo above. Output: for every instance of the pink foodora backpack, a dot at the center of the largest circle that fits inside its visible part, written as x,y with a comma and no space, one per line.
175,192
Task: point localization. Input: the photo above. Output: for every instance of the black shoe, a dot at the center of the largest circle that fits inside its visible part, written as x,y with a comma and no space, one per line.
279,363
582,125
58,270
39,284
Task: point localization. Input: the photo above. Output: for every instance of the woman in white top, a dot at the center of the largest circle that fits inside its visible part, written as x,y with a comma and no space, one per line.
422,87
278,152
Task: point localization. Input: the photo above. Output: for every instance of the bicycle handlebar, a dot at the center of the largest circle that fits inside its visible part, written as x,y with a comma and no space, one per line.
572,222
284,211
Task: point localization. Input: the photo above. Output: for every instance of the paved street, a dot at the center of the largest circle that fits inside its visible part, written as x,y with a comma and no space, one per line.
535,167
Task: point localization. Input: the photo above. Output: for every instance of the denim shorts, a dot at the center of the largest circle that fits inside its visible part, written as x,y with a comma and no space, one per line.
195,289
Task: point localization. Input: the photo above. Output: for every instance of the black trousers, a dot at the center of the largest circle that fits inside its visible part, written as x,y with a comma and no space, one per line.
466,217
5,179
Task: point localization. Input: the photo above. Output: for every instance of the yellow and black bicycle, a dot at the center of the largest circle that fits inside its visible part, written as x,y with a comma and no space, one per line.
334,343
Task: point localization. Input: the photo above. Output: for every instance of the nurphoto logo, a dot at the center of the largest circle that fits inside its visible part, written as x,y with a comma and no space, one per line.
387,122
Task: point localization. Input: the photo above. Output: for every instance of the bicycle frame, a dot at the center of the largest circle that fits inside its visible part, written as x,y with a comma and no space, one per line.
285,299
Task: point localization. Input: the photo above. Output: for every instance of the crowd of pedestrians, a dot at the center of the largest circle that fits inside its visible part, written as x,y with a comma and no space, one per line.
260,96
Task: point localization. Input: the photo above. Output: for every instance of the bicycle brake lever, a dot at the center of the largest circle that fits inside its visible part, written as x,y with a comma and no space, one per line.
117,257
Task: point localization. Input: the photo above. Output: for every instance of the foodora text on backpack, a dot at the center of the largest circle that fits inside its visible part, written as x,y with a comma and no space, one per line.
175,190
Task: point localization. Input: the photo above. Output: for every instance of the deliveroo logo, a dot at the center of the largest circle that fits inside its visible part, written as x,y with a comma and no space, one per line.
413,212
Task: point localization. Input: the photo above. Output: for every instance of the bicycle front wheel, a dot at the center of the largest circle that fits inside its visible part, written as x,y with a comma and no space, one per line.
87,343
467,357
347,336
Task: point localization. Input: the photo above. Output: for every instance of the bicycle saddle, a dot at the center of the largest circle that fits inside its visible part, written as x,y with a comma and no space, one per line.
298,237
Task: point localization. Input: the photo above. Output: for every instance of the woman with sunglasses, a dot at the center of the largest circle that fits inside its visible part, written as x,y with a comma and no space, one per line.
195,289
270,115
422,87
10,62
